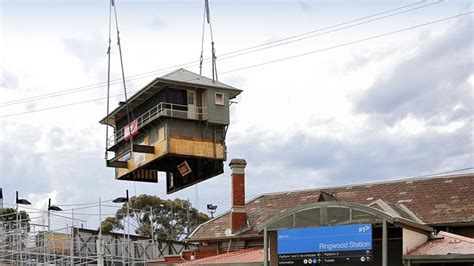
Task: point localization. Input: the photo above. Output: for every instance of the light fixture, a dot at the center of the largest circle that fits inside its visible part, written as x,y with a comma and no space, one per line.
22,201
121,199
211,209
53,207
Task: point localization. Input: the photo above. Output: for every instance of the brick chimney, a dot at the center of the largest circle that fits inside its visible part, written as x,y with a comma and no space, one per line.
238,216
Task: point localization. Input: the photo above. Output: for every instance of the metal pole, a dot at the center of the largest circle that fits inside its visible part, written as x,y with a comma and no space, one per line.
384,243
71,248
152,233
49,233
128,231
265,246
19,230
100,258
123,241
151,224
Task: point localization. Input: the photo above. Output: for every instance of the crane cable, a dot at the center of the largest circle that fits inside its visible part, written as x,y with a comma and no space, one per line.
207,17
201,58
108,82
130,116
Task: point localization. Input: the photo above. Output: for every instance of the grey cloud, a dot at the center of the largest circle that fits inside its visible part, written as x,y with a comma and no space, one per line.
56,137
373,155
20,167
428,85
158,23
304,5
30,106
88,50
8,80
362,57
76,176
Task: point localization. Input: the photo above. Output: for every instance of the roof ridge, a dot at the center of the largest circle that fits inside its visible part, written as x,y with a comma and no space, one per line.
197,77
378,182
459,237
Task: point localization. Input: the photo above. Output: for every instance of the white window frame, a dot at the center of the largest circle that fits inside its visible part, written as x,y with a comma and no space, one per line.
223,100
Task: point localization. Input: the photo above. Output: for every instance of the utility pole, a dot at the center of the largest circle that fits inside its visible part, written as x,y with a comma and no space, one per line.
100,257
151,224
188,217
1,198
128,229
18,235
152,233
71,248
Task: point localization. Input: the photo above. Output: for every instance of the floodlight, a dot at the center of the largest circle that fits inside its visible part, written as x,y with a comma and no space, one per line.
53,207
121,199
22,201
211,209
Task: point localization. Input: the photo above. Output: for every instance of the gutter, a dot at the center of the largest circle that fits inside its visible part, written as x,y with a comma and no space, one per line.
439,258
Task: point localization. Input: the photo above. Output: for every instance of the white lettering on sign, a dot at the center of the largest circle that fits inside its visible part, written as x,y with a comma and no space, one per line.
364,229
344,245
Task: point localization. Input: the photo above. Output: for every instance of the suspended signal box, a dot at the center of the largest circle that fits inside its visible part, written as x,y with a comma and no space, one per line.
176,124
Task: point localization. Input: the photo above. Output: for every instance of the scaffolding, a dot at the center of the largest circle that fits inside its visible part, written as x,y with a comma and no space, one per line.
24,243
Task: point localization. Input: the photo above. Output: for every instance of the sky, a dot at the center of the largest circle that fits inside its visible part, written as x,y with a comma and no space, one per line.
379,90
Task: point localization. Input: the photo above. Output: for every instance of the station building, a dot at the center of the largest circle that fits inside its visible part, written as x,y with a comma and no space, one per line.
417,221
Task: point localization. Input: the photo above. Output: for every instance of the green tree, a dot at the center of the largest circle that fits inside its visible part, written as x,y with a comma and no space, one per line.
9,222
169,219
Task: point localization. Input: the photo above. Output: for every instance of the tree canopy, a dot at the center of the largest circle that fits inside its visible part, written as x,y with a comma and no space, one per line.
8,222
169,219
8,218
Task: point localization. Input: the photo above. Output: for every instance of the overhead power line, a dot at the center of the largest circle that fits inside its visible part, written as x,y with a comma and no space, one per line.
346,44
443,173
319,32
276,60
228,55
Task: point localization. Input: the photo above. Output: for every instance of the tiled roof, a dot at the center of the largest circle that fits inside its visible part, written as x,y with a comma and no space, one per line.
437,200
446,244
248,255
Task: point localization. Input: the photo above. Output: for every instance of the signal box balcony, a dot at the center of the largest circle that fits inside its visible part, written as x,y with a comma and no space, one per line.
161,110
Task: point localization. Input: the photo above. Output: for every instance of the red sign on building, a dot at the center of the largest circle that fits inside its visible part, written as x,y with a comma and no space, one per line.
130,130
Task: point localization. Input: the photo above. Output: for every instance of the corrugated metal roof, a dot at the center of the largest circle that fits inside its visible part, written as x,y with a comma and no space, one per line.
186,76
180,77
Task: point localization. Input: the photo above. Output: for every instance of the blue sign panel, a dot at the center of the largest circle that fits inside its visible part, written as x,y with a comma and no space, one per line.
345,243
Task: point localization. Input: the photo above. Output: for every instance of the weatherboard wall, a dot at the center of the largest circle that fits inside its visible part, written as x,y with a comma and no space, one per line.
218,114
195,129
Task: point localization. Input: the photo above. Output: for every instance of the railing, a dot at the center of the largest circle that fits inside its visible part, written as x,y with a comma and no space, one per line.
162,109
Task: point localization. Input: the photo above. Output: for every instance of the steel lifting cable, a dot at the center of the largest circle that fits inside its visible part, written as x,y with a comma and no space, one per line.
130,116
129,113
207,17
108,81
201,58
214,57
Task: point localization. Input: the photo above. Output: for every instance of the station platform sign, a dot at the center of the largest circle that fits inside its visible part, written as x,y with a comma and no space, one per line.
351,244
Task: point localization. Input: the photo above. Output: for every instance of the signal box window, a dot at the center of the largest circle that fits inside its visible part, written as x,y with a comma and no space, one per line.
219,99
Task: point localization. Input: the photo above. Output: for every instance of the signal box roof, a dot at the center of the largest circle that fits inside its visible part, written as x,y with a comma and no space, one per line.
178,77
